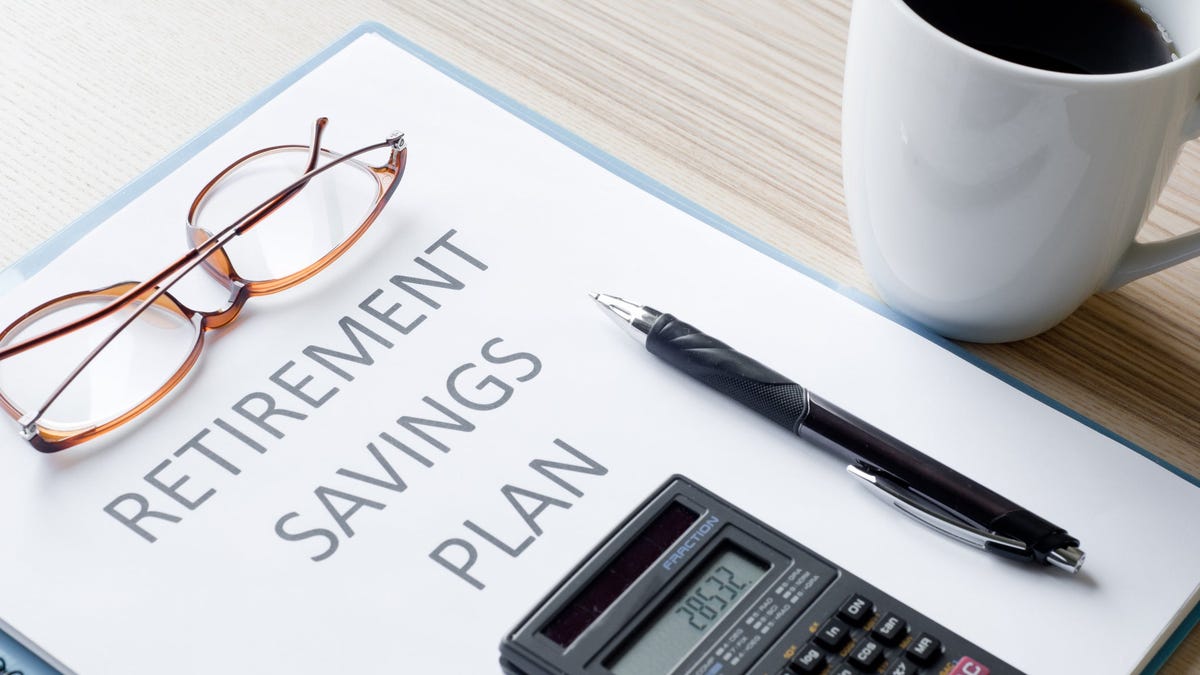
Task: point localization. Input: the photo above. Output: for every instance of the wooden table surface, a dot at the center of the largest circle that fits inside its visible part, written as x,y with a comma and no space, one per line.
734,105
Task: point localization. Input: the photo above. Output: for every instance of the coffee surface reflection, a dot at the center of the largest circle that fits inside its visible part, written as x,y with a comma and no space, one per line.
1070,36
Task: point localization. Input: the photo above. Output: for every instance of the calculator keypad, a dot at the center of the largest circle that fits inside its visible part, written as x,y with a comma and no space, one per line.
860,637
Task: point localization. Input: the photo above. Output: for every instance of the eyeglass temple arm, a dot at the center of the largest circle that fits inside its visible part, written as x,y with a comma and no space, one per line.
178,269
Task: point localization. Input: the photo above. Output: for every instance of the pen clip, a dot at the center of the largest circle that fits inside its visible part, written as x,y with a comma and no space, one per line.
903,498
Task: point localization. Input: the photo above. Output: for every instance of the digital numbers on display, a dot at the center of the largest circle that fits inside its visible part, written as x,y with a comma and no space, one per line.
711,597
695,608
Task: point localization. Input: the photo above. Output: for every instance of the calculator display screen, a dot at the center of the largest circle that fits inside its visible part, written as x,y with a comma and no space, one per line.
689,614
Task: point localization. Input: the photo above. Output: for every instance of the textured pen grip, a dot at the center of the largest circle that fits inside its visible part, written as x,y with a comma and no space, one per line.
737,376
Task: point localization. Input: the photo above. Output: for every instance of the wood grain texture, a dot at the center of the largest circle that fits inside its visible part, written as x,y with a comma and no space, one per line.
734,105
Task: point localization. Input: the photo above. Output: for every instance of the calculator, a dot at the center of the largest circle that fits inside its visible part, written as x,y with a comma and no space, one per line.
690,584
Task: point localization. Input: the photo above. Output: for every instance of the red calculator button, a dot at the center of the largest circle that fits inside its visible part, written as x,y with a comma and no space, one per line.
969,666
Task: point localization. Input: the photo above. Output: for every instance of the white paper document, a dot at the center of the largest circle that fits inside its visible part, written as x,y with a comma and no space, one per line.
284,509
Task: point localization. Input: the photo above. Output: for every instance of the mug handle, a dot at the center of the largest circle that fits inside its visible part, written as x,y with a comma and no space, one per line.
1142,260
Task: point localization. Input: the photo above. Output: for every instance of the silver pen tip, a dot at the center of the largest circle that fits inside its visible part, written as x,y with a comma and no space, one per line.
633,318
1067,558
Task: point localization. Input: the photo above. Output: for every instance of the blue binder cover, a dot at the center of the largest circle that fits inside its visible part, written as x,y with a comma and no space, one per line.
18,658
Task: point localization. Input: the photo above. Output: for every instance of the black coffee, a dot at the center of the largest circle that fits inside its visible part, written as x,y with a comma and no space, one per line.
1070,36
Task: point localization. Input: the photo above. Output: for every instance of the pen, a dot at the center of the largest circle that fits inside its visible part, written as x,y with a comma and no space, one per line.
906,478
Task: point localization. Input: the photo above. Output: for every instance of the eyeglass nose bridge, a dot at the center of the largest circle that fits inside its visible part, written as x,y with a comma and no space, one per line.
239,293
217,265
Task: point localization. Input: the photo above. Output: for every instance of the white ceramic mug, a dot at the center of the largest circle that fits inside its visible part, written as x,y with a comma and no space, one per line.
990,199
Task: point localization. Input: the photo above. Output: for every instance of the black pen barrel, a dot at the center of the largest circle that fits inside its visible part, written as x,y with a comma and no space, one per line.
830,426
788,404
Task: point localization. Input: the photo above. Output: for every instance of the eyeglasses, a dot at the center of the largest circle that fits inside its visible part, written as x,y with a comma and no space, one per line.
83,364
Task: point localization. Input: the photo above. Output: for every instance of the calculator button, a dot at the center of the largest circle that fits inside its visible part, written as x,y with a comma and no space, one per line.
890,629
833,635
969,666
925,649
844,670
808,660
856,610
903,667
866,655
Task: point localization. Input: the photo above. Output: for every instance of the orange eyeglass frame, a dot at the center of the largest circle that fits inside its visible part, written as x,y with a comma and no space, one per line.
207,249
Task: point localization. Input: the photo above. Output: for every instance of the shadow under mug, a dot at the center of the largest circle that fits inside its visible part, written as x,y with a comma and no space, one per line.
989,199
